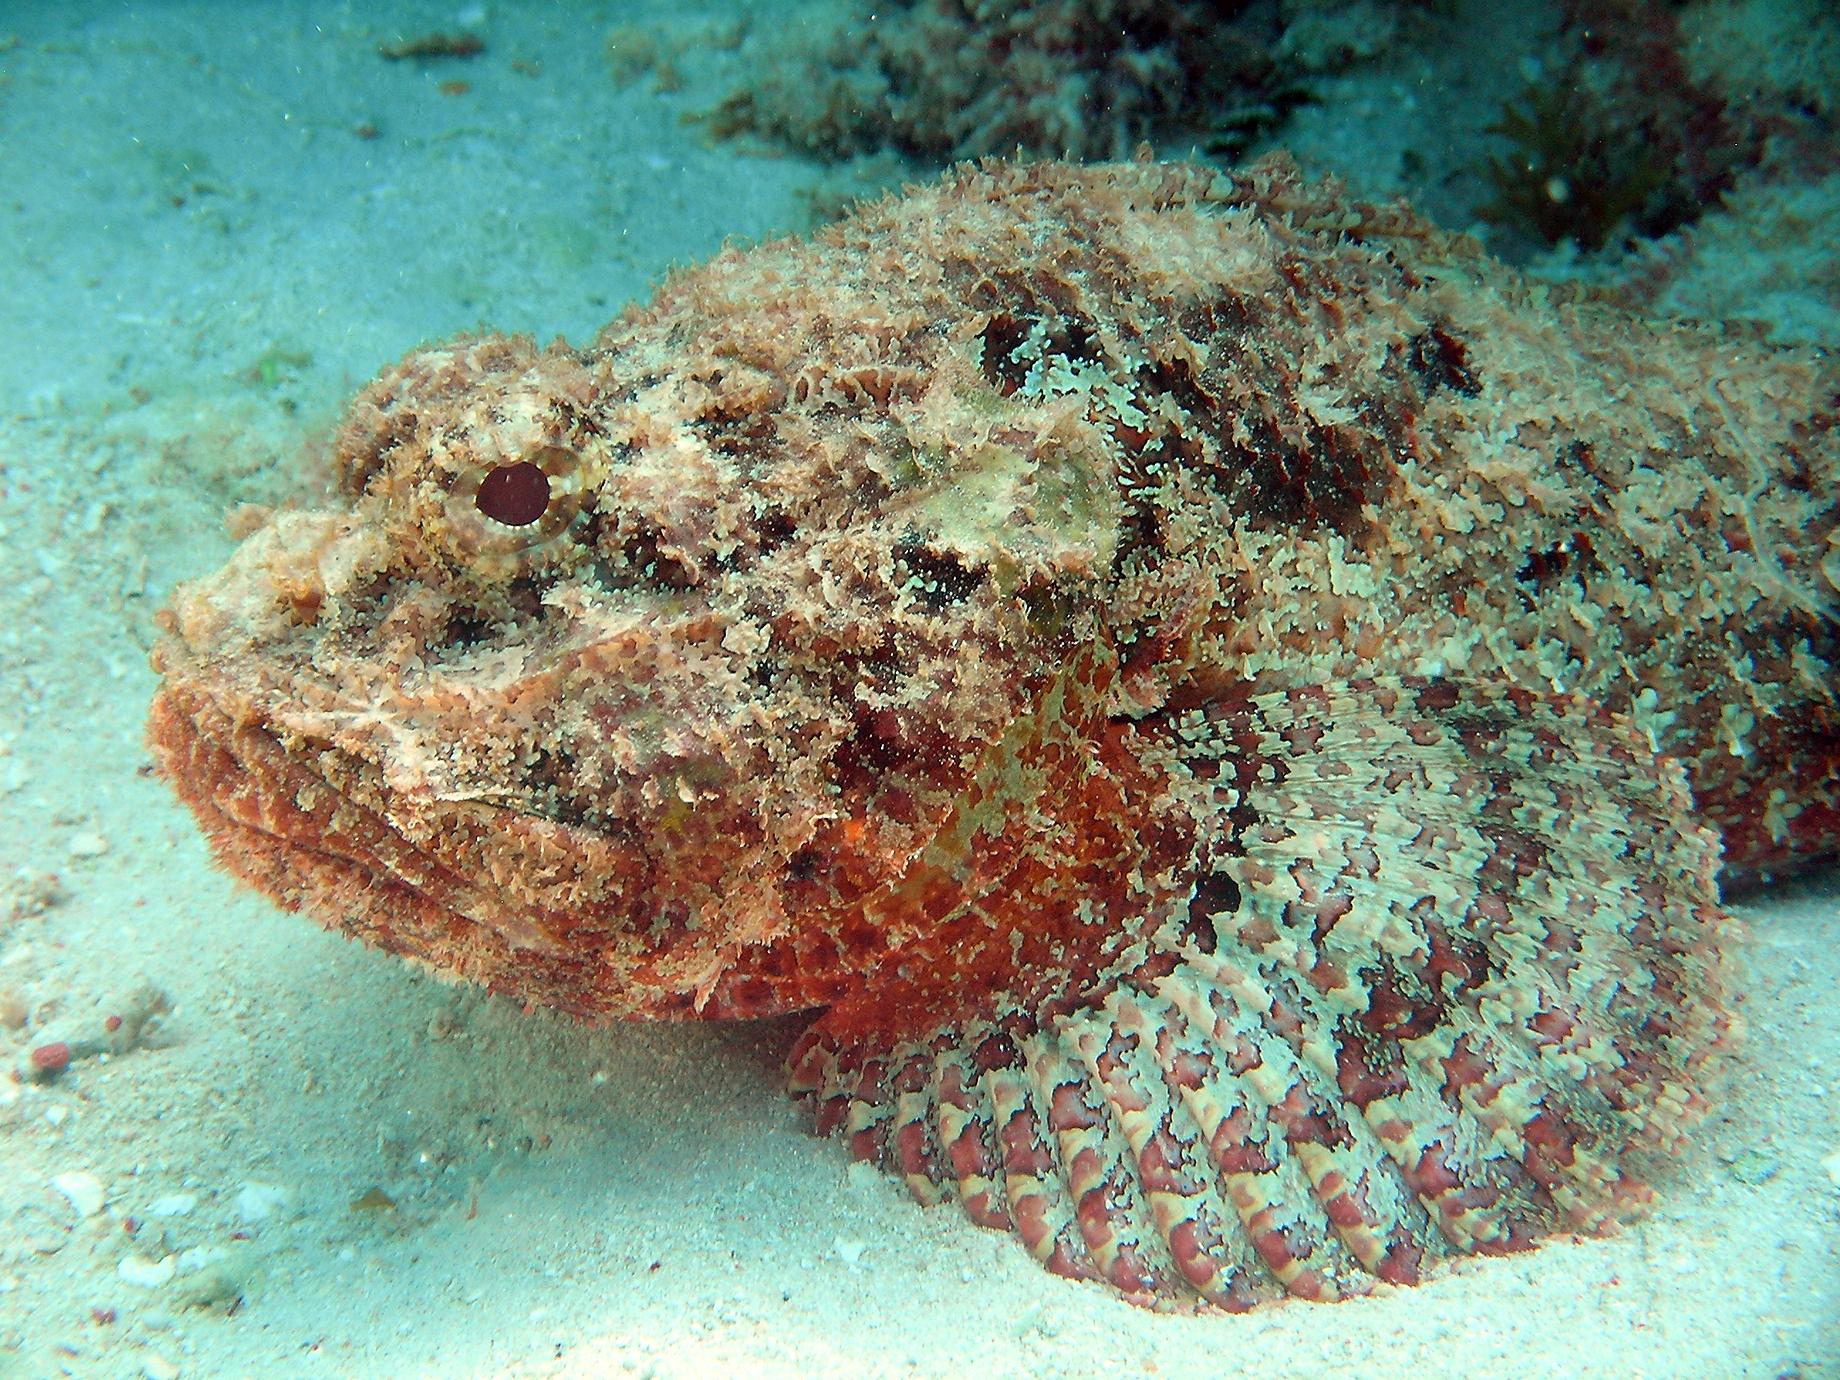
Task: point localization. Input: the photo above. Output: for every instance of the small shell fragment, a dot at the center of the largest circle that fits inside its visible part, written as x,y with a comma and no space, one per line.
83,1189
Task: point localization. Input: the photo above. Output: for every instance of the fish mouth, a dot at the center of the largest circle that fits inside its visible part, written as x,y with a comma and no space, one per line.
317,830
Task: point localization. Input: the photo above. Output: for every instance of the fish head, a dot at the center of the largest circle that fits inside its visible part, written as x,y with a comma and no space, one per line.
610,683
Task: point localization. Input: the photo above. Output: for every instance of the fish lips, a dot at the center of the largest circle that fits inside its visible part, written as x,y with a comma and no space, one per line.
447,883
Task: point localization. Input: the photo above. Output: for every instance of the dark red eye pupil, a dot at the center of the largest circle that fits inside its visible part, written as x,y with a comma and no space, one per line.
515,495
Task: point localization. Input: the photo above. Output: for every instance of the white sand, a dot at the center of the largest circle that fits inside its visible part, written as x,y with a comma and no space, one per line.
182,197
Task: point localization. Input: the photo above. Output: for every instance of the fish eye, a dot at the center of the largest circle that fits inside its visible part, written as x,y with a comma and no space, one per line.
514,494
507,512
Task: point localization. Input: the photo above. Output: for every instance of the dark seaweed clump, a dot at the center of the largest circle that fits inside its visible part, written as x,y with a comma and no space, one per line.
1621,140
1573,172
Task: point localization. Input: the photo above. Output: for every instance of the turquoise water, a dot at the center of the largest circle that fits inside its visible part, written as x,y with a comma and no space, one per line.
217,221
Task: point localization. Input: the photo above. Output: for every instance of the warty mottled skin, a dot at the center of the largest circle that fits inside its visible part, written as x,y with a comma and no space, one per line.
1224,701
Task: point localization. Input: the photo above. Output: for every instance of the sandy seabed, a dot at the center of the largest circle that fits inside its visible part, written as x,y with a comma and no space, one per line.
216,221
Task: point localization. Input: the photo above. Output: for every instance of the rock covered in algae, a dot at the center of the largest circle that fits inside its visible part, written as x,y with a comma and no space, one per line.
1083,79
1226,702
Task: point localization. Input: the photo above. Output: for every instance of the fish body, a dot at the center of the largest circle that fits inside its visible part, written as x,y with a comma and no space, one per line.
1225,702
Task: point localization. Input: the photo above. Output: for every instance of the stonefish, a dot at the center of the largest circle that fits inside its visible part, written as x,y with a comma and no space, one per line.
1224,703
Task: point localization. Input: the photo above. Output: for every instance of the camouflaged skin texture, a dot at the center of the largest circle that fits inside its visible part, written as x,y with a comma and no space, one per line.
1228,699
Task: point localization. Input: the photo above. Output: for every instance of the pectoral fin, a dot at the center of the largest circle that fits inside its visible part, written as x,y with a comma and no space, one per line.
1445,972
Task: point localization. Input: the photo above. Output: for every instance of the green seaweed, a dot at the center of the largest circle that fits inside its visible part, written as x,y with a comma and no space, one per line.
274,366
